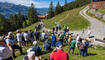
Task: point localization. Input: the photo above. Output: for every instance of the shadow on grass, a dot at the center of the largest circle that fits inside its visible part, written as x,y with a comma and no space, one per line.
89,54
45,52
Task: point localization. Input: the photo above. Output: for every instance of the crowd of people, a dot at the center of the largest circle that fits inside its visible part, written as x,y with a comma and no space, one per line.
22,39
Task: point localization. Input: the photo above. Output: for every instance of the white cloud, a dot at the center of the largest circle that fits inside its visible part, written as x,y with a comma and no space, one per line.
26,3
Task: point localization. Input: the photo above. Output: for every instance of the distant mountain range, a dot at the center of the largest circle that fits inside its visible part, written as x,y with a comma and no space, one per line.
9,9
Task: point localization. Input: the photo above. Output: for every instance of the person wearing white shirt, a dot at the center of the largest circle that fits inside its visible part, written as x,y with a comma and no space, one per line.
77,40
43,35
89,32
19,38
26,37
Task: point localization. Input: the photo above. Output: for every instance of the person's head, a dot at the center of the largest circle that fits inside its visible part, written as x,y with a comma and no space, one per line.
60,46
30,30
26,31
31,55
18,31
43,31
86,40
77,34
53,33
74,38
2,41
10,33
35,43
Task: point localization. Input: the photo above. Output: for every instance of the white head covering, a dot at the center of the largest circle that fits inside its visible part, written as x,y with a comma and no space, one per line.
9,33
35,43
30,55
60,47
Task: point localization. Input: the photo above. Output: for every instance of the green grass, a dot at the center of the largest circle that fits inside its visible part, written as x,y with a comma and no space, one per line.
92,15
94,54
71,18
101,11
75,22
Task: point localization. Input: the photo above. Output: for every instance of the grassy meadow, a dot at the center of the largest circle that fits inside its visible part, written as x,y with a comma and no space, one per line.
71,18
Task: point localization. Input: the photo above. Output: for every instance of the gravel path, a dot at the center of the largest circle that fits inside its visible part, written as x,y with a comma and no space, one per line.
97,27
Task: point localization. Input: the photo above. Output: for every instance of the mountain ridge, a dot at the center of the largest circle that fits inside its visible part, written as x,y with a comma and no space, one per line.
9,9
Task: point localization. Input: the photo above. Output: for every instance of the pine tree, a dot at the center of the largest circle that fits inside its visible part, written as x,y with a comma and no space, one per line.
58,9
65,7
65,2
20,19
4,24
32,14
51,12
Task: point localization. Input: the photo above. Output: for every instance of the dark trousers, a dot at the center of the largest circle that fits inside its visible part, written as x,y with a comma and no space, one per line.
71,48
10,58
16,47
81,52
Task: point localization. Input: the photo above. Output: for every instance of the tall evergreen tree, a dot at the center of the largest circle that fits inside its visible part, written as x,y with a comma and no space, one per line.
65,2
32,14
58,9
4,24
20,19
65,7
51,12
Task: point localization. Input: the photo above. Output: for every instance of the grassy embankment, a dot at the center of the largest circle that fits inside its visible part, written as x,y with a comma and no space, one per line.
71,18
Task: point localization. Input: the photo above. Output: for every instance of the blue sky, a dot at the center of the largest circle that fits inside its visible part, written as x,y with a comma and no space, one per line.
37,3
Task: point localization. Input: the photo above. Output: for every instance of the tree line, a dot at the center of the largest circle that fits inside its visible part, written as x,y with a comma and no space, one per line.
67,6
18,21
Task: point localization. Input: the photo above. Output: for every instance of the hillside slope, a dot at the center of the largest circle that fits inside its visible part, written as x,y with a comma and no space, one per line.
71,18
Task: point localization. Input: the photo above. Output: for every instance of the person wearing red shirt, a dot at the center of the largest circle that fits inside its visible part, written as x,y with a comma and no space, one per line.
59,54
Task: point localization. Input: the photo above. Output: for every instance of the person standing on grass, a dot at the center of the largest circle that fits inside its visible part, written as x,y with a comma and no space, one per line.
31,35
72,47
26,37
69,39
11,43
86,47
43,35
53,39
19,37
62,36
37,36
54,29
77,40
81,48
89,32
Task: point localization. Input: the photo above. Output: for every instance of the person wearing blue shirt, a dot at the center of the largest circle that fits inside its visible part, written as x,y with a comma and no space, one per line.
53,39
47,46
86,48
36,49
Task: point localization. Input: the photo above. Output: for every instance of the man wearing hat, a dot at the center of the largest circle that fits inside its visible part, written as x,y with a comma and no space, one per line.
59,54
